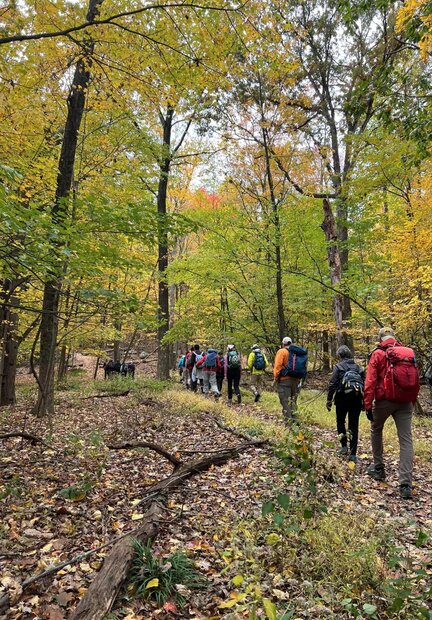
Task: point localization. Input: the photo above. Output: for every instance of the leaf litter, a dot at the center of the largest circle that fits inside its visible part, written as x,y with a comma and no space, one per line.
78,495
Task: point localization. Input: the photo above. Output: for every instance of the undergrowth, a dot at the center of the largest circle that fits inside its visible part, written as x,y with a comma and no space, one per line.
163,578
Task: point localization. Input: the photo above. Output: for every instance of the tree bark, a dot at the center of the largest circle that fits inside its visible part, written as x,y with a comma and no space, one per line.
163,363
334,261
9,341
59,211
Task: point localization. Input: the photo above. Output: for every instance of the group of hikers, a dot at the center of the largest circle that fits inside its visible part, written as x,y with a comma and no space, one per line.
389,388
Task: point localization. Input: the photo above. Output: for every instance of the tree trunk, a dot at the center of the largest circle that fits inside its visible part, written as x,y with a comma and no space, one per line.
9,341
163,364
334,261
342,235
59,211
325,350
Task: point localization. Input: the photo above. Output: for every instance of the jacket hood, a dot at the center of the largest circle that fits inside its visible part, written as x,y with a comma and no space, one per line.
211,351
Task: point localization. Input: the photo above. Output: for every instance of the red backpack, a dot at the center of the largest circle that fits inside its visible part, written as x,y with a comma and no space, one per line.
188,362
401,380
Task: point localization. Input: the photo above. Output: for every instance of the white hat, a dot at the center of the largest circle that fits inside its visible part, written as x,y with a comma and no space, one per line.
286,340
255,346
231,347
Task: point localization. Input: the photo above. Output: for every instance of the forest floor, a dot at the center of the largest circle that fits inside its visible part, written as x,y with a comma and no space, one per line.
286,530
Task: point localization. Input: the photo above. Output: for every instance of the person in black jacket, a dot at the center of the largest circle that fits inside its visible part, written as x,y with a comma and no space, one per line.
346,388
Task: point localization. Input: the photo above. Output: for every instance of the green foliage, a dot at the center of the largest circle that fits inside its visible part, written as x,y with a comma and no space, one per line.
158,578
77,492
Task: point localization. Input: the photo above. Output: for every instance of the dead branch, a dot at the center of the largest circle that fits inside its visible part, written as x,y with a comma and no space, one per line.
108,395
32,438
151,446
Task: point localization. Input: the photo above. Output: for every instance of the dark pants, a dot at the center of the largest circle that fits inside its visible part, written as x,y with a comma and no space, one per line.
233,377
219,381
348,404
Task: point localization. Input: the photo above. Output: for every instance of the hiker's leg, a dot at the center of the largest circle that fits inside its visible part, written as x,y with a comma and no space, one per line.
403,420
353,424
253,384
206,382
284,393
294,383
237,384
213,382
259,384
381,411
230,380
341,413
283,397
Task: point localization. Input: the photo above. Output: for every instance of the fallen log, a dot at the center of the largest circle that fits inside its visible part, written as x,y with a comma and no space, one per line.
151,446
99,598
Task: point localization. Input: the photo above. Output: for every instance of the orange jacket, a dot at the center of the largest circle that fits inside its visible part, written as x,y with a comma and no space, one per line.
281,360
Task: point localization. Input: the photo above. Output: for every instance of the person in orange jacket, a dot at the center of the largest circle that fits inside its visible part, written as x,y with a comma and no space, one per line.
287,387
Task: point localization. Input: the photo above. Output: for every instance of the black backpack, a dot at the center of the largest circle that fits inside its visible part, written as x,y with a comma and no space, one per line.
352,381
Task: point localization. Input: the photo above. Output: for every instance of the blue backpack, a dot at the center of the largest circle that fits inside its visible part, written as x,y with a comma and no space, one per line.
259,361
210,360
181,362
297,362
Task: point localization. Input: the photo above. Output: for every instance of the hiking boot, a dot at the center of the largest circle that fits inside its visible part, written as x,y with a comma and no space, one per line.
238,400
229,402
257,397
352,458
343,451
405,491
376,472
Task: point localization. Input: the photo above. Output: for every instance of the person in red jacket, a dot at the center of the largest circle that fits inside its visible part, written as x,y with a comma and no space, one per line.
391,389
210,364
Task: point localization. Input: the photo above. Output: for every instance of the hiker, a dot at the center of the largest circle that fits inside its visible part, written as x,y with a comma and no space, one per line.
209,364
108,368
220,372
197,374
257,363
289,370
391,389
188,367
346,387
233,372
181,367
127,369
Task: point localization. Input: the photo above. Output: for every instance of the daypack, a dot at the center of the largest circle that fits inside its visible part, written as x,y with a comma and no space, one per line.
221,364
210,360
401,379
352,381
233,359
188,361
181,362
259,361
297,362
199,359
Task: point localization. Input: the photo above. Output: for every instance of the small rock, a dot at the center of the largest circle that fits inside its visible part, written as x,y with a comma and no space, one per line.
320,611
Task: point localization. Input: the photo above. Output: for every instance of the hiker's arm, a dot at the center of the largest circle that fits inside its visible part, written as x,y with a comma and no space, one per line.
333,385
371,380
278,364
